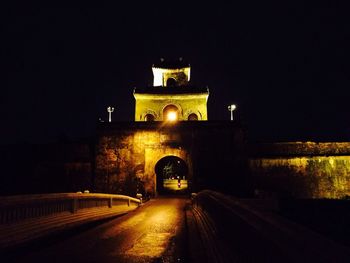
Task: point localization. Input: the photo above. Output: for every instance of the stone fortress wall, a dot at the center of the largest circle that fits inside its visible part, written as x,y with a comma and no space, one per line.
301,169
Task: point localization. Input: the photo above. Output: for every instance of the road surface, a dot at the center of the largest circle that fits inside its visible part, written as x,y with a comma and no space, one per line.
155,232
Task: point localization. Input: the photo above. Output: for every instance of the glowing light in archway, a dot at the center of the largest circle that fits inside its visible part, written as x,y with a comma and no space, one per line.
172,175
172,116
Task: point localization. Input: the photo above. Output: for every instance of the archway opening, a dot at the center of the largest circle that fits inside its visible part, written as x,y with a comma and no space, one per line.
172,175
149,117
193,117
170,113
171,82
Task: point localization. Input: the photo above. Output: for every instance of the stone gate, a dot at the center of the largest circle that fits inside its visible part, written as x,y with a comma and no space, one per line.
127,153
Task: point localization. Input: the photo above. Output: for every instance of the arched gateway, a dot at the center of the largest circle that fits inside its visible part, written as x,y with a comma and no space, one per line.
134,157
131,156
171,175
170,134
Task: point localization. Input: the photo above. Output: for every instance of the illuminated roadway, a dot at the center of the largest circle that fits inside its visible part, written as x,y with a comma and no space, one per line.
155,232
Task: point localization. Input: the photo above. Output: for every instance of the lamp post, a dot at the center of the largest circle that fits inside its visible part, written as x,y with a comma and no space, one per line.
110,110
231,108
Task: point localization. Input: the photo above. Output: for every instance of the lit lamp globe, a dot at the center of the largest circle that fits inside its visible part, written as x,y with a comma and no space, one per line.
231,108
171,116
110,110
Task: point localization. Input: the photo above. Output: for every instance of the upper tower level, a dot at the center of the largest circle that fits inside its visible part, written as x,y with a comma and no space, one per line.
171,73
171,98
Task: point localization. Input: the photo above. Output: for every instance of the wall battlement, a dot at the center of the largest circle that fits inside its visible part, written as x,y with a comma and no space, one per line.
299,149
301,169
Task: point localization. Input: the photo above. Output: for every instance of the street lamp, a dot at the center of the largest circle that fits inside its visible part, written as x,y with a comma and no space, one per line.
231,108
110,110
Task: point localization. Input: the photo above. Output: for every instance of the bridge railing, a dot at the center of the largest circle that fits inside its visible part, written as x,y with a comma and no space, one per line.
20,207
257,235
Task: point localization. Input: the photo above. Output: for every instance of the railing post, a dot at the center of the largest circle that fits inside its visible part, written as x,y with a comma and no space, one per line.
128,201
193,199
110,202
74,205
139,196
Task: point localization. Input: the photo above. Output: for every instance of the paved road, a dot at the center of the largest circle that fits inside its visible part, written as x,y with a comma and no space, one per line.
155,232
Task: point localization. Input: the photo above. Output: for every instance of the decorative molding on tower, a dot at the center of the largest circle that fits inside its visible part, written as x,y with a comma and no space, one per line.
171,90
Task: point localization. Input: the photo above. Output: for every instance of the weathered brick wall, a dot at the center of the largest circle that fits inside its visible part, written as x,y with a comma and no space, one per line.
130,151
129,155
304,170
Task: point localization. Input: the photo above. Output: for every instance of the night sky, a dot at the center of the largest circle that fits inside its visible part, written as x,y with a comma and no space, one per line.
285,66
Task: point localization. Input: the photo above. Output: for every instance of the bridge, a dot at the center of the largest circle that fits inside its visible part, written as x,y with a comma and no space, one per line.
207,226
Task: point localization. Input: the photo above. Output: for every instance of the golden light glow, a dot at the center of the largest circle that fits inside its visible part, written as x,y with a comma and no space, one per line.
171,116
174,185
186,103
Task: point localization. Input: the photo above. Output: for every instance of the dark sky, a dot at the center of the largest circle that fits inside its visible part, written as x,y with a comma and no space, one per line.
286,66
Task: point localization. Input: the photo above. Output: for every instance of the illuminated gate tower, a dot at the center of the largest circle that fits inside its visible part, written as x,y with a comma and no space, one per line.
171,98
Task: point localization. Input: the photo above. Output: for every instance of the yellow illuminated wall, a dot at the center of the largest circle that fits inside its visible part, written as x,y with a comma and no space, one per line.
161,76
304,177
186,103
149,106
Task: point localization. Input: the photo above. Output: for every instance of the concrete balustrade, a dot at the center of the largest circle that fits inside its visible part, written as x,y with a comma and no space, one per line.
17,208
27,218
234,230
